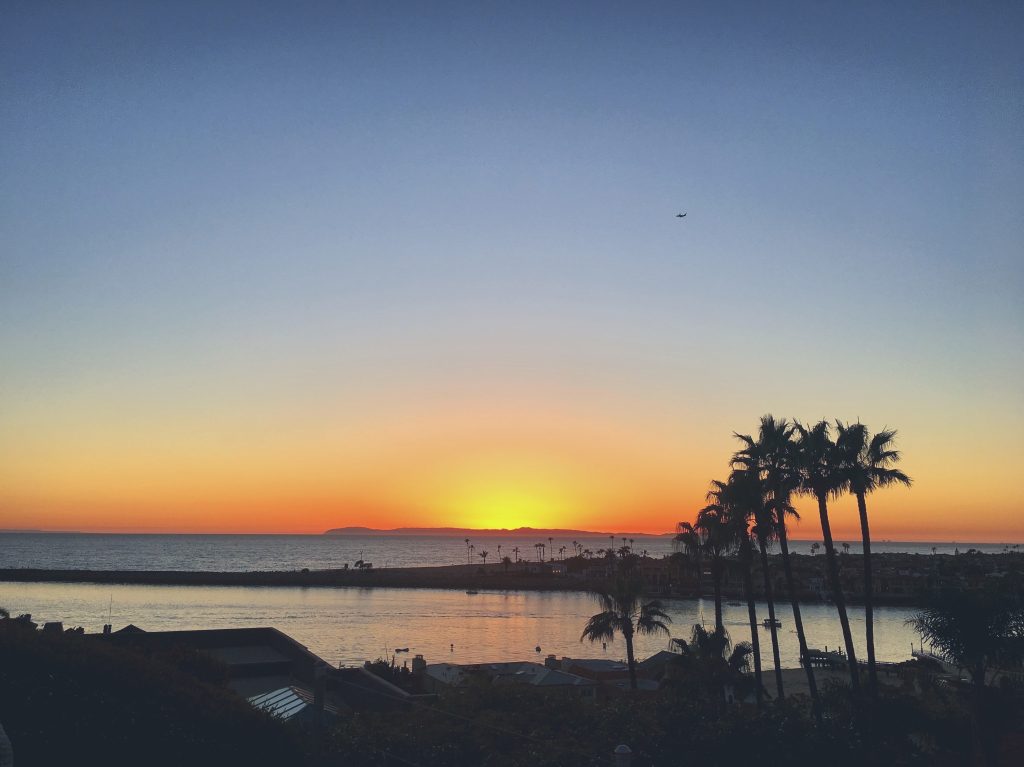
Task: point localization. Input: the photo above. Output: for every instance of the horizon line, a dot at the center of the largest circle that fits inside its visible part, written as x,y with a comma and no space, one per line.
325,534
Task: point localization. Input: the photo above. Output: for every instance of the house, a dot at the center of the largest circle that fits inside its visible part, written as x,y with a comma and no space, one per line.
273,671
442,676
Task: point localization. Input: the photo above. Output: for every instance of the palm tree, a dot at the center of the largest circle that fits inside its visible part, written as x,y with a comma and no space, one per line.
765,530
690,540
866,464
772,457
468,552
561,552
515,551
711,657
483,555
622,612
820,476
736,501
975,630
716,543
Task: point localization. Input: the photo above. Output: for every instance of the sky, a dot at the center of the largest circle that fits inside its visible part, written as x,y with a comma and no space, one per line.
281,267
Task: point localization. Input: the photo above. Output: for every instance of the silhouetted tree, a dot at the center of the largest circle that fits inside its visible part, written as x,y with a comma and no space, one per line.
821,477
772,456
715,542
624,613
711,662
976,631
689,540
866,463
740,499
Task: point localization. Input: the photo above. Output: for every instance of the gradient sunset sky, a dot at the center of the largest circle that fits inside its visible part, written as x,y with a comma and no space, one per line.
282,267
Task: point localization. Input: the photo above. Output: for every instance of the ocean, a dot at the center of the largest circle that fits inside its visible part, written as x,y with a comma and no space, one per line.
94,551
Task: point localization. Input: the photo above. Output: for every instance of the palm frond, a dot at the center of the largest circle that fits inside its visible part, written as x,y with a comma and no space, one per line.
601,627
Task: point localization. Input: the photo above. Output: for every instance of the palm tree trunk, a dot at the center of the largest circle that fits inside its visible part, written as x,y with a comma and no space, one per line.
717,575
798,620
869,616
630,660
755,640
771,617
837,592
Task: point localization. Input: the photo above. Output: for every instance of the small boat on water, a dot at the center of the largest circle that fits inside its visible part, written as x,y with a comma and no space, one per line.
401,649
767,623
472,592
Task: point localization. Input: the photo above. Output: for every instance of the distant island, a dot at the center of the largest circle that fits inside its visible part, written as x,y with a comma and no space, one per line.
523,532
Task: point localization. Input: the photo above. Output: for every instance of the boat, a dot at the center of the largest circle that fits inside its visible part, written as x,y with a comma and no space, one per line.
401,649
767,623
472,591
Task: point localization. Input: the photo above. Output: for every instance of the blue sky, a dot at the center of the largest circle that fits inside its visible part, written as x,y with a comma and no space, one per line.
243,210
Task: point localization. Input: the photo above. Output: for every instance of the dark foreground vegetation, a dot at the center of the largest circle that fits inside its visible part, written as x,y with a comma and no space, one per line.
510,727
68,699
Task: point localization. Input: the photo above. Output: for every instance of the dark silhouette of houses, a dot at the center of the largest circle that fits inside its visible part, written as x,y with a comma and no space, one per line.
273,671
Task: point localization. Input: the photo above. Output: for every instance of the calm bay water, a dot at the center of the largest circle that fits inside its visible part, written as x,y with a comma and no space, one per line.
293,552
352,625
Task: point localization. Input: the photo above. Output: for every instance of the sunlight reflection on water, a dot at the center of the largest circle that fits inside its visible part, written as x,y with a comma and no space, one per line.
352,625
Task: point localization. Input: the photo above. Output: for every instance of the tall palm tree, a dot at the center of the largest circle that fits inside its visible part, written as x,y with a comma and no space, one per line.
483,555
866,463
765,532
623,612
772,456
821,477
515,550
735,501
717,542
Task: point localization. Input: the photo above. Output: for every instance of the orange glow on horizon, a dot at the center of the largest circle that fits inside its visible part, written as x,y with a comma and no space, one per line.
599,465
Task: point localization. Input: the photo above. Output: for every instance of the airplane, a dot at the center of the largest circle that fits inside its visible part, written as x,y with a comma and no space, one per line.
680,215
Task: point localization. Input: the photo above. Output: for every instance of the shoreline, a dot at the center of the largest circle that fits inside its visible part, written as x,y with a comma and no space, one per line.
660,579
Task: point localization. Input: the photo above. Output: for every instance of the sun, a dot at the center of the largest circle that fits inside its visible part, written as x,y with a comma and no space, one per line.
503,507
